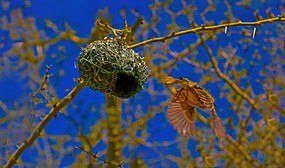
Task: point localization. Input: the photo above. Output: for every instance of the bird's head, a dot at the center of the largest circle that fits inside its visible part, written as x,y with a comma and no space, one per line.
184,82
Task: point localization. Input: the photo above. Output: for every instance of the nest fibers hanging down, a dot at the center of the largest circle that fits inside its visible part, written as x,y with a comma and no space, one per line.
111,67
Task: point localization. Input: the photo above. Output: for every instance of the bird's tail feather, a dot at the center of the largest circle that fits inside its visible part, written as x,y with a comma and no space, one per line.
218,128
217,125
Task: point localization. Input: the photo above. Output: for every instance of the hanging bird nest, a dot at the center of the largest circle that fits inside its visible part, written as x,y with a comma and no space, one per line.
111,67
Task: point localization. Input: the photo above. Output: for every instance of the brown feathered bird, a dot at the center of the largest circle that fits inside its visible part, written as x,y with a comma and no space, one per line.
181,109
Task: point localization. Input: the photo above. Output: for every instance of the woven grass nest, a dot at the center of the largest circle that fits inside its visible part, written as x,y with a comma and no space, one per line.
111,67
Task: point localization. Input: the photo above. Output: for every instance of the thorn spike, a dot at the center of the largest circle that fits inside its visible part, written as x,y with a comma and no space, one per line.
254,31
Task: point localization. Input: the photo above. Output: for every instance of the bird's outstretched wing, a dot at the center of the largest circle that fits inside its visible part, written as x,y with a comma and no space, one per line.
182,115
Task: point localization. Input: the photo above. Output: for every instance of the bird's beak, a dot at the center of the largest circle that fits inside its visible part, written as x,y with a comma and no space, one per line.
170,80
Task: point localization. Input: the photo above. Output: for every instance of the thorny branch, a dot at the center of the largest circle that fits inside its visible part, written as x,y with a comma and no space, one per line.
204,28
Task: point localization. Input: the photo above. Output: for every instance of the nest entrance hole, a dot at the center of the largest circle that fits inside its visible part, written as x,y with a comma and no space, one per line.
125,83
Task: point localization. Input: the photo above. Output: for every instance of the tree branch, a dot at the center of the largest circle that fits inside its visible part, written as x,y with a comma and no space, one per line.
231,83
37,131
207,28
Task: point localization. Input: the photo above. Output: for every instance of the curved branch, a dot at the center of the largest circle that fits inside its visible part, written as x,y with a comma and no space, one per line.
231,83
37,131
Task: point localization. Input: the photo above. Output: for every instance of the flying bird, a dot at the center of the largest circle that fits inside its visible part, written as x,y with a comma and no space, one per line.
181,109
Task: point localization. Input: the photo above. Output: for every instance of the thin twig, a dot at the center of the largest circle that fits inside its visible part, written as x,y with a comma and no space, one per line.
106,25
95,156
41,88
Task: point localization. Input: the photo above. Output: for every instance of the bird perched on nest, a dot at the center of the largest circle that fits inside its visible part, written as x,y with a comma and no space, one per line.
181,109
